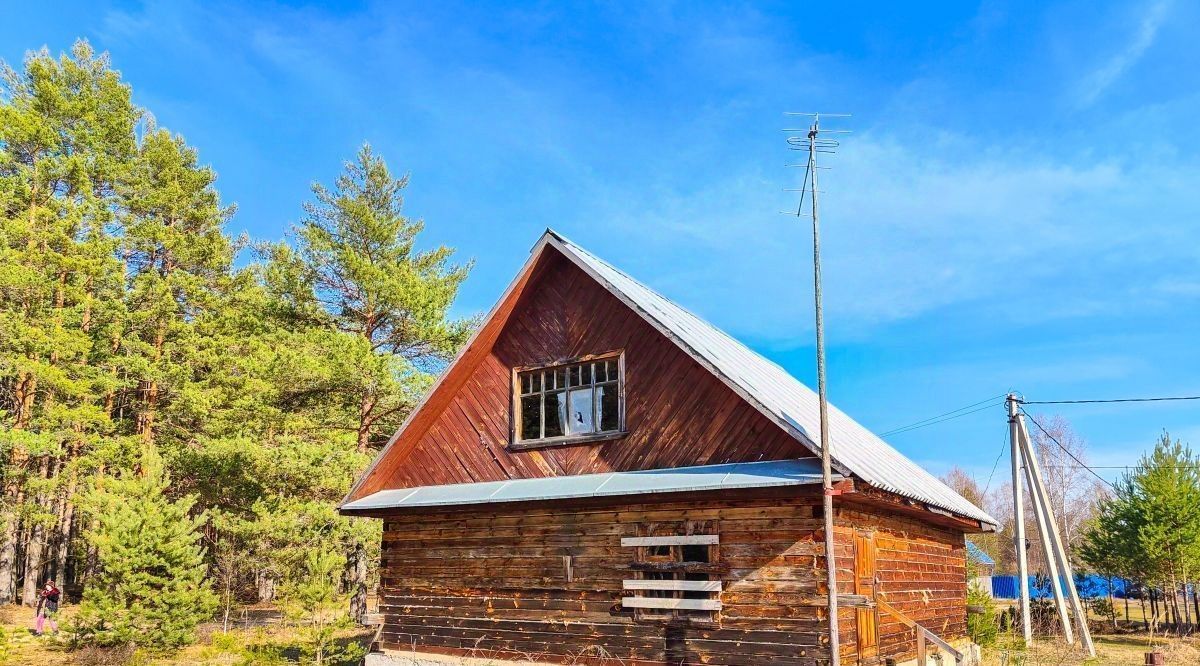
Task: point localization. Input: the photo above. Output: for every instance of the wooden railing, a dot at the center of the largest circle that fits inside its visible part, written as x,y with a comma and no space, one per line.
923,635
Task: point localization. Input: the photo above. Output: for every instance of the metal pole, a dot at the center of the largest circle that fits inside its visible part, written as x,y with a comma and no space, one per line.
1038,486
1052,568
826,472
1019,519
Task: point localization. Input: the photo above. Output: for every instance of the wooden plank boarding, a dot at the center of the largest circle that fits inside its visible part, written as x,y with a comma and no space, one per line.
671,604
691,540
675,585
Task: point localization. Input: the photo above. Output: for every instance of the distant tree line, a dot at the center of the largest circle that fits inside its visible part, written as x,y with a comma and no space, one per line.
176,423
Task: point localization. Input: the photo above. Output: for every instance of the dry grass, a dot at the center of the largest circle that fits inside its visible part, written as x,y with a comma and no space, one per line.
1111,650
257,639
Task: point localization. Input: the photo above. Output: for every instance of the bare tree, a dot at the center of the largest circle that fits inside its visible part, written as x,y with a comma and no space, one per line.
1071,488
966,485
1073,493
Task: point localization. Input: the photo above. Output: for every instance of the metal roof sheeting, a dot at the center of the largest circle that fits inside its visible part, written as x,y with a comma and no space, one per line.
767,474
975,553
779,395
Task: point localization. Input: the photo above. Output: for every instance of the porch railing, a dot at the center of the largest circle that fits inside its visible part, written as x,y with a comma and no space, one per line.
924,635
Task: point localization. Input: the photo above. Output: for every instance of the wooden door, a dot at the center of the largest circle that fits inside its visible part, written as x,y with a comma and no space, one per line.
864,584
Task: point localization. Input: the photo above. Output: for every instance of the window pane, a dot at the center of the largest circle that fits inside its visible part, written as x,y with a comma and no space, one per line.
560,378
531,419
602,372
556,414
581,411
610,417
525,383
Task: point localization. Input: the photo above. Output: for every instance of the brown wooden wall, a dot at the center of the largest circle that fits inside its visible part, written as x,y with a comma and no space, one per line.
677,413
921,571
494,584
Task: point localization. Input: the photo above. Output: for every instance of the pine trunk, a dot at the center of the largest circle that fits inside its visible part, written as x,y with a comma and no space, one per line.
36,549
266,586
66,520
8,556
1196,602
365,405
150,391
358,584
1187,610
1112,606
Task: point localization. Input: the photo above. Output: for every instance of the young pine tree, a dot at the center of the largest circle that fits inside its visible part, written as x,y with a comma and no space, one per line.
151,588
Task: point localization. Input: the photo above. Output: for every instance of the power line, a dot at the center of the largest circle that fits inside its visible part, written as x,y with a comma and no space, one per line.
1126,466
1003,448
953,414
1066,450
1088,402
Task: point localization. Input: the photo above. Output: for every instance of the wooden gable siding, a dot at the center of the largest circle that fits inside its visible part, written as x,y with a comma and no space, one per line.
677,412
920,569
495,584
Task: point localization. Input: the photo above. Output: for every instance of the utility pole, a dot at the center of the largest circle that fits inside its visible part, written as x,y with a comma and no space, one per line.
1042,500
1057,561
1014,437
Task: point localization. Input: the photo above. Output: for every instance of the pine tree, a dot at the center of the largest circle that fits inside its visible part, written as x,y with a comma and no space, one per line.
357,253
66,135
1150,529
151,588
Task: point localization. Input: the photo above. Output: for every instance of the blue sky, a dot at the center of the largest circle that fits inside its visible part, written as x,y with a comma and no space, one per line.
1016,209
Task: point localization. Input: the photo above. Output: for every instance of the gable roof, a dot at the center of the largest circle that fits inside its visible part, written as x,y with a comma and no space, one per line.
854,450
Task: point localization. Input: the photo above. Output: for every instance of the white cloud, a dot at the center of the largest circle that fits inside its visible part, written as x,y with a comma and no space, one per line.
1099,80
909,227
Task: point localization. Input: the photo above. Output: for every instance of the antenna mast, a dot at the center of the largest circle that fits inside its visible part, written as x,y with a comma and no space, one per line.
814,143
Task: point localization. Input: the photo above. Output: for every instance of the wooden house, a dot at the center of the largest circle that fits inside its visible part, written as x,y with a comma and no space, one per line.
602,477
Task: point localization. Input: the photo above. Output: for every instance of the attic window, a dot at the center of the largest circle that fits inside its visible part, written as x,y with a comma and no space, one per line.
578,400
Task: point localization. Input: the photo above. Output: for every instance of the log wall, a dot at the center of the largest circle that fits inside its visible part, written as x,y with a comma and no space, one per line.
921,571
494,584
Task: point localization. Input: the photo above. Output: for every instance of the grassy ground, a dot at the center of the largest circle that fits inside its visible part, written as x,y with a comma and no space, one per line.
255,638
1111,650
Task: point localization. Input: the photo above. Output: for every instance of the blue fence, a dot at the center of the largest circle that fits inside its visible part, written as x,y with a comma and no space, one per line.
1089,587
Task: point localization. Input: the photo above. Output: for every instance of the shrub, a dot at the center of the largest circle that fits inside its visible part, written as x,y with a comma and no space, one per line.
983,627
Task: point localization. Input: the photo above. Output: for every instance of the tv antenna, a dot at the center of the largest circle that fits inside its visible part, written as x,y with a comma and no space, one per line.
815,141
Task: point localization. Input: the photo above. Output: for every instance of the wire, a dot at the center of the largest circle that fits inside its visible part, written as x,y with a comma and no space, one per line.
1125,466
1003,448
932,420
949,418
1066,450
1088,402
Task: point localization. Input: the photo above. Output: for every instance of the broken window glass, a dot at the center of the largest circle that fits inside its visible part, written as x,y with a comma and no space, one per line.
581,411
568,400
